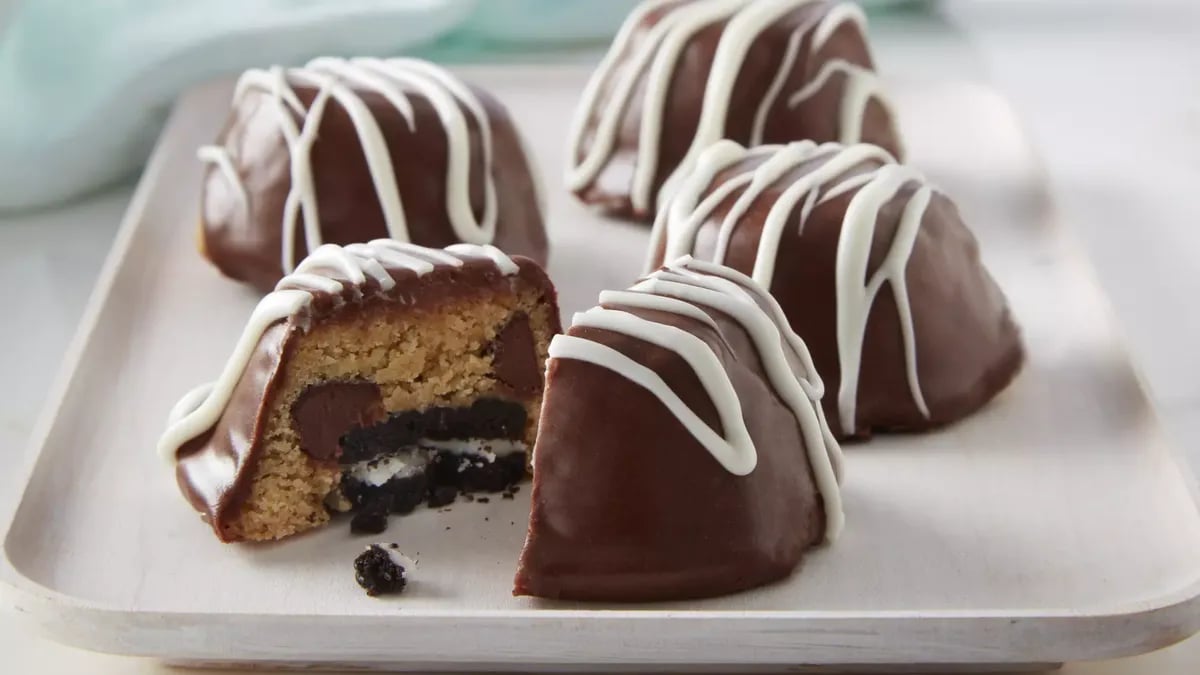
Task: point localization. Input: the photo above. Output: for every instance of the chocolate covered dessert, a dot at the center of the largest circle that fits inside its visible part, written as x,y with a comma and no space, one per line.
683,74
346,151
873,267
376,377
682,451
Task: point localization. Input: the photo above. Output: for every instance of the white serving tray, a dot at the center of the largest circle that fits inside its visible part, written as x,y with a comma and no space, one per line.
1056,525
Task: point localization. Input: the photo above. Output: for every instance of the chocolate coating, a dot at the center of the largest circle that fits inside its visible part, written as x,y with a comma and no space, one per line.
755,92
214,470
967,343
323,413
628,506
245,240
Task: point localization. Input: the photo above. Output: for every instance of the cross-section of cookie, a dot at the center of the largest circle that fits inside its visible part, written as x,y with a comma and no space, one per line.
683,74
376,378
873,266
345,151
683,451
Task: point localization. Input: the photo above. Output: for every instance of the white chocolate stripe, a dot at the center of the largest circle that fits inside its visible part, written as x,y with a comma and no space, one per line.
684,288
855,300
686,206
766,175
504,263
861,86
736,451
374,148
764,299
785,69
662,73
200,409
404,251
643,296
777,217
740,33
739,460
395,80
653,61
302,196
683,216
580,172
218,156
840,14
368,80
824,453
431,82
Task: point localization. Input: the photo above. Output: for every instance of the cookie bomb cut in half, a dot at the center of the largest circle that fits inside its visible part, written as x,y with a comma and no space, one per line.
375,377
683,452
873,267
683,74
346,151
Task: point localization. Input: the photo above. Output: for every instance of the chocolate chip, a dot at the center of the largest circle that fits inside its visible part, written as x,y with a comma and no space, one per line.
514,357
324,413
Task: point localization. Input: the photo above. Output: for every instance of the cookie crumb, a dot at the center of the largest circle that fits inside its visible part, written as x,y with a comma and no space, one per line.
372,519
442,495
379,571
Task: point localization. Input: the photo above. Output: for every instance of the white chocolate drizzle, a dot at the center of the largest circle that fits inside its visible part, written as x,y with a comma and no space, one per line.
395,80
879,181
688,288
330,271
652,58
861,87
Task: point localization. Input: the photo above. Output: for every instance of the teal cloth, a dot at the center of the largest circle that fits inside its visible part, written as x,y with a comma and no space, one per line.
85,86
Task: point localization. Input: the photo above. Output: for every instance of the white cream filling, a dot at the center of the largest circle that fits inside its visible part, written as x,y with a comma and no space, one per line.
411,461
487,447
378,471
398,558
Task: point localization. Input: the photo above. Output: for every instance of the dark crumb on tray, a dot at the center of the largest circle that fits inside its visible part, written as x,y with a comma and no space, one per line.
378,573
372,519
483,500
442,495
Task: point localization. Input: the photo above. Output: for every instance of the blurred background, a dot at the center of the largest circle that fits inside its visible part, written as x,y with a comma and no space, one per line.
87,84
1109,91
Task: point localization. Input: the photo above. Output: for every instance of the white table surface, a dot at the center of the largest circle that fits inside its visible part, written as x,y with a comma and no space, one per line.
1110,95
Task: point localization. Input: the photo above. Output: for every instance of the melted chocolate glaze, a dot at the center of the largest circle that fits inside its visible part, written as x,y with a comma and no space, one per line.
968,344
629,507
817,118
245,242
